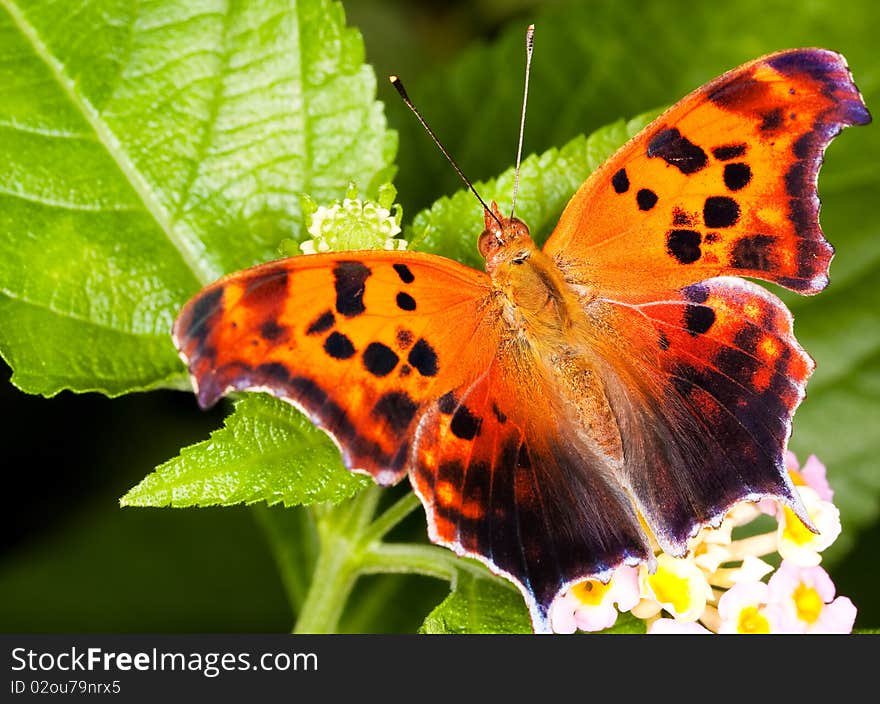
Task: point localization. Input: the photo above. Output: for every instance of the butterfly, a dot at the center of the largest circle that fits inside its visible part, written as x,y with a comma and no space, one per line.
555,409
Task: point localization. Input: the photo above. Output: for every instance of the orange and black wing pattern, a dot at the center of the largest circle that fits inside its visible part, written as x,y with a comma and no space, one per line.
357,341
723,183
504,478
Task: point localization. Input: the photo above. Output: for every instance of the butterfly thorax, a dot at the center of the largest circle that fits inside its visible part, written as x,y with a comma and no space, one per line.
546,326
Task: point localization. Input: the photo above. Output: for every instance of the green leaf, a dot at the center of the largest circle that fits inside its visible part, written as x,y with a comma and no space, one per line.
479,603
268,451
627,623
150,148
451,225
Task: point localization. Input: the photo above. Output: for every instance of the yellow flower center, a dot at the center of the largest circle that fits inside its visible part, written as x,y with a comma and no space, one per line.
752,621
670,588
808,602
797,478
795,531
590,592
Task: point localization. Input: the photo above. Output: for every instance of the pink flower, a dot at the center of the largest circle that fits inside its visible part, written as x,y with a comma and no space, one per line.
813,473
806,598
590,605
744,608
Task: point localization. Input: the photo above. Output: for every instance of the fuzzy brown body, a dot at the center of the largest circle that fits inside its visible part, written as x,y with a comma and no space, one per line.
551,327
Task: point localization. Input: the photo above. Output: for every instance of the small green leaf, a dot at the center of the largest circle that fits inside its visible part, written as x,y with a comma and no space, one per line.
627,623
149,148
479,603
547,181
268,451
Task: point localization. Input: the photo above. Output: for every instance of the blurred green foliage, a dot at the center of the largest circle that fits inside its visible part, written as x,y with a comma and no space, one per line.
73,561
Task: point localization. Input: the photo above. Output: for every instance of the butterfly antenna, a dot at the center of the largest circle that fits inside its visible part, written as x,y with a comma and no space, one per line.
530,46
398,85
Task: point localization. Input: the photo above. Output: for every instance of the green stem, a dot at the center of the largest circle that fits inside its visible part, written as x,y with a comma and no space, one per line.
429,560
350,546
331,586
392,516
336,570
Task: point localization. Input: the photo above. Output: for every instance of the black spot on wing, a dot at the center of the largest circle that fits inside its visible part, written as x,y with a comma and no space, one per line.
753,252
322,323
349,281
447,403
646,199
499,414
273,373
737,176
397,409
696,293
339,346
747,338
379,359
684,245
720,211
403,271
465,425
405,301
271,331
729,151
620,181
698,319
771,120
663,341
423,357
677,150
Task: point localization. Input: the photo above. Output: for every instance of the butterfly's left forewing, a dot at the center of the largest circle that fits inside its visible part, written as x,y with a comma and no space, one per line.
359,341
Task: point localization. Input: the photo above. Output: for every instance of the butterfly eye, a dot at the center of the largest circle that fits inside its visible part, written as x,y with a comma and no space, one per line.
520,258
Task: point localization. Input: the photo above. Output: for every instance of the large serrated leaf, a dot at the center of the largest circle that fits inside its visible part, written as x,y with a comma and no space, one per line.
268,452
150,148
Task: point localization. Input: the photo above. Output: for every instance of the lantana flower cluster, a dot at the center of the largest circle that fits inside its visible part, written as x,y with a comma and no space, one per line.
353,223
725,585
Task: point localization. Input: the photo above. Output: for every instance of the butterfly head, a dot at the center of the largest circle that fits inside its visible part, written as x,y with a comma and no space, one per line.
504,240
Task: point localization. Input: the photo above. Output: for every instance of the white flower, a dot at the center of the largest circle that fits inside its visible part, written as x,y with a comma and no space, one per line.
806,597
678,586
590,605
798,543
744,609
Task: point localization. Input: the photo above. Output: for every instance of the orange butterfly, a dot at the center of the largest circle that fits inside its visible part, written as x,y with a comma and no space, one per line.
548,409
